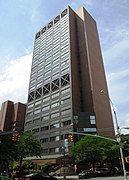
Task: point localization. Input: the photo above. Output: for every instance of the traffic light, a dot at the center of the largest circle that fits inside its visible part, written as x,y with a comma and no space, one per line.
18,137
127,159
15,137
70,138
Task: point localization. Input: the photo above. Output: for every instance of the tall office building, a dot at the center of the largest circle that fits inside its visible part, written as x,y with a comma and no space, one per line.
12,116
67,75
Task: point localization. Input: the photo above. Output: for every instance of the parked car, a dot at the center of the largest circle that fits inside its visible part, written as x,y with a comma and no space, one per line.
87,174
103,171
114,171
37,176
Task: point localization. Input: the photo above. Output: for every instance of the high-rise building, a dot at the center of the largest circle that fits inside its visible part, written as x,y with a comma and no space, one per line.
12,116
67,76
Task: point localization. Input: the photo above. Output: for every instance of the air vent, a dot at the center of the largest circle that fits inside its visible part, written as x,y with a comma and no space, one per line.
50,24
37,35
43,30
57,19
64,13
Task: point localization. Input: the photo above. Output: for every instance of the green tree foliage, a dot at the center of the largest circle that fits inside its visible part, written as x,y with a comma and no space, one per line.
7,150
125,141
94,150
28,145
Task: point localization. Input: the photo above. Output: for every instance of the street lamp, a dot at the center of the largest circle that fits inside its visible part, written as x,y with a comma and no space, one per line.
118,135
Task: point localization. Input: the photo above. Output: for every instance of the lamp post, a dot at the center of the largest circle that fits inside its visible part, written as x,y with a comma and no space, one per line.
118,135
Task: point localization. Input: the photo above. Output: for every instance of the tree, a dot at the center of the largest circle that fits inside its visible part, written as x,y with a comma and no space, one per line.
8,150
28,145
125,141
93,150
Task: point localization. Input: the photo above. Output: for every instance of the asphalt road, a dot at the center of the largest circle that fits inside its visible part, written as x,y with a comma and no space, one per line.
109,178
97,178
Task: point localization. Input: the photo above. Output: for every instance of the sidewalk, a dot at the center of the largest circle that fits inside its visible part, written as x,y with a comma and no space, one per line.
68,177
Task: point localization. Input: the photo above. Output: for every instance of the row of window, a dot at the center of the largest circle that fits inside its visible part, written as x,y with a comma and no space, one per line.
47,108
47,78
52,126
50,64
48,98
57,42
56,59
50,24
50,87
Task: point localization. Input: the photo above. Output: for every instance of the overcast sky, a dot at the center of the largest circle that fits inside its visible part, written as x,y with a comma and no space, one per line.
21,19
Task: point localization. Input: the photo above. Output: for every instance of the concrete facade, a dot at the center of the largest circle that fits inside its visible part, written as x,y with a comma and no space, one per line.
67,76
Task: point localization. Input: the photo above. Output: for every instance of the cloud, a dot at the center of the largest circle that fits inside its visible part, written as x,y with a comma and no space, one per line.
14,80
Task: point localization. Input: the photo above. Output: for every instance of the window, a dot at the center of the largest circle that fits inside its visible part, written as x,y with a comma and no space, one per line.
35,130
45,118
65,70
65,123
47,65
45,128
66,100
55,75
55,95
55,104
40,70
45,151
55,115
46,99
48,52
32,88
53,126
56,67
56,48
32,81
37,111
37,103
89,129
40,76
64,62
56,53
66,111
48,72
39,84
44,140
47,80
92,120
30,106
35,121
65,90
55,60
45,108
55,138
29,114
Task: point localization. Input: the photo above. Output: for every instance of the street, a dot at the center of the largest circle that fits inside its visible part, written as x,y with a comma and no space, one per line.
109,178
97,178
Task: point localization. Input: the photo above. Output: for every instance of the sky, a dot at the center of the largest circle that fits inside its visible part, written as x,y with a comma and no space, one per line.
21,19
